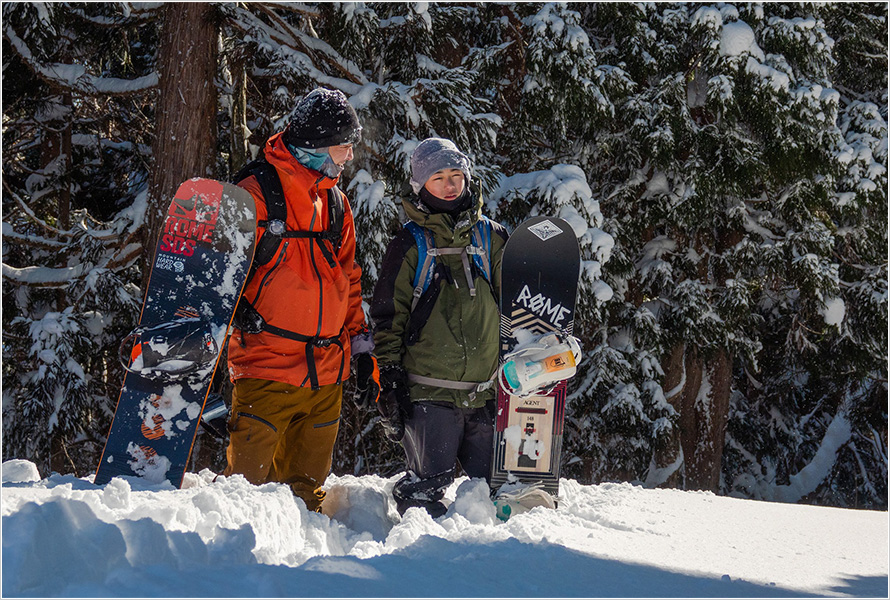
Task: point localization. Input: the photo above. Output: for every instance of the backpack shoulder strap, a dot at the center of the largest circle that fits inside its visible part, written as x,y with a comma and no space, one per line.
336,212
276,208
479,249
270,184
276,212
481,246
426,259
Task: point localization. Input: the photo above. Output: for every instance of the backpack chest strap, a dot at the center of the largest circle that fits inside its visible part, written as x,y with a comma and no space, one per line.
277,229
479,249
465,261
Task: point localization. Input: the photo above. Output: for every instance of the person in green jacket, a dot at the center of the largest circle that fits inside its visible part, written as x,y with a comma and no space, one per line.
438,348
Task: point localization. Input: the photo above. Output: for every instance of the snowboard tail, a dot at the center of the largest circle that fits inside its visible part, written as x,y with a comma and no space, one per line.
539,282
199,268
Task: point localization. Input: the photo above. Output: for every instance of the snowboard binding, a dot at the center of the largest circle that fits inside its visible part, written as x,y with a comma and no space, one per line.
522,500
169,351
539,363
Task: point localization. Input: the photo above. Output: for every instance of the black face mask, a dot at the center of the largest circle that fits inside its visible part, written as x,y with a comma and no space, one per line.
453,207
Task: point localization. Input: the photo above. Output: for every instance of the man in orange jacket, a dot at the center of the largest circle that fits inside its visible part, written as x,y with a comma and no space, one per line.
288,371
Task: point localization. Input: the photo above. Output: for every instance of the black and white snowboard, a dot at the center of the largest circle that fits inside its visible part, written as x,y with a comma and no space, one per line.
539,284
197,275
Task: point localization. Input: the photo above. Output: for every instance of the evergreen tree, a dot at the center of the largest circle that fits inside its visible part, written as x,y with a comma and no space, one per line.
828,371
75,143
727,163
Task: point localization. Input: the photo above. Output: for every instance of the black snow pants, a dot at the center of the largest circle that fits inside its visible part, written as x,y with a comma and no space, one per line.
436,435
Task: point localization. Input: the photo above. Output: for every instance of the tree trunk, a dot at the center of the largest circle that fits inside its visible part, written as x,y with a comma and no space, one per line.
712,433
65,192
185,131
240,153
670,451
703,405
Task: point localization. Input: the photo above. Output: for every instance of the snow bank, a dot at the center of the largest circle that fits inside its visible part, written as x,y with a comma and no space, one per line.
20,471
64,536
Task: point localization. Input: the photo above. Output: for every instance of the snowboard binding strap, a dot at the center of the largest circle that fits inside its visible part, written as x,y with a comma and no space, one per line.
169,351
522,500
538,364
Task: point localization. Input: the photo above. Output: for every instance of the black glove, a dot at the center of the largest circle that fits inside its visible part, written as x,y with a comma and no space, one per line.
394,401
492,408
367,379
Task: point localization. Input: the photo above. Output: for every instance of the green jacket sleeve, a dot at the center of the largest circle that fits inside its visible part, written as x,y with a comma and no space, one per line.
391,303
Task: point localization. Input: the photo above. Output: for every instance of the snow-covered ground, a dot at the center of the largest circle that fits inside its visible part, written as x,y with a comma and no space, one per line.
64,536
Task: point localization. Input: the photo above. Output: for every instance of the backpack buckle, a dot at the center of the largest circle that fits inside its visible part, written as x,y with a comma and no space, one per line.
276,227
247,318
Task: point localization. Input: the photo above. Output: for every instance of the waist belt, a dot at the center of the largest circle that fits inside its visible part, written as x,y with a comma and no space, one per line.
468,386
249,320
312,342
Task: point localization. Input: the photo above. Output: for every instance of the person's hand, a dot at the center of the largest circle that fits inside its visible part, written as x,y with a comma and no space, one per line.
394,397
367,379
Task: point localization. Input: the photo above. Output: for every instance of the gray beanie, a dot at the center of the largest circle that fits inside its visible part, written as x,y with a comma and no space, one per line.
435,154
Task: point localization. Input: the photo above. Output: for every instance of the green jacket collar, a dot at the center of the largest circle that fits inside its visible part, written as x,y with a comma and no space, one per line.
445,231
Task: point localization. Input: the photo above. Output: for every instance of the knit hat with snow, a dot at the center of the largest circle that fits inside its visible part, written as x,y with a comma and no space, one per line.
435,154
323,118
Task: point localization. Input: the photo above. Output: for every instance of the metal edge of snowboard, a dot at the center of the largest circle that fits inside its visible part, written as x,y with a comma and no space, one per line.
123,386
549,478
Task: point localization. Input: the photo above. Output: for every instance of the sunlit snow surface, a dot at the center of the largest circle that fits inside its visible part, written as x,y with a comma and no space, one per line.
63,536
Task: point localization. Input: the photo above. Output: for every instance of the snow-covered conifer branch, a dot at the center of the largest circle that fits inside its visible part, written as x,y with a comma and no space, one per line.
74,78
284,34
299,8
30,240
125,256
141,9
30,213
46,277
128,16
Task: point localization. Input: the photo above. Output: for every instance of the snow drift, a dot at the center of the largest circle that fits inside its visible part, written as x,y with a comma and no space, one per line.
64,536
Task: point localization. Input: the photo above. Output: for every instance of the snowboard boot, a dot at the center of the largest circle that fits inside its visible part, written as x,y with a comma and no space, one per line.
412,491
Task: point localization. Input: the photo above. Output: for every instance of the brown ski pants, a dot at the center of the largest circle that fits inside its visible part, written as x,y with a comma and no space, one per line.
283,433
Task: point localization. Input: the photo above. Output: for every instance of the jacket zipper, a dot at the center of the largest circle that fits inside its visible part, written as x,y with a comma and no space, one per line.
269,272
317,275
315,266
